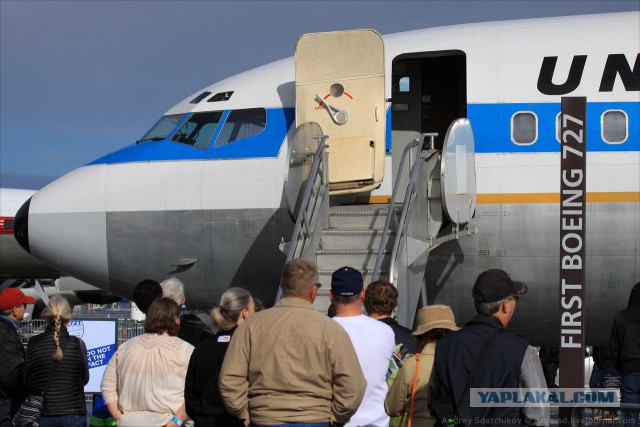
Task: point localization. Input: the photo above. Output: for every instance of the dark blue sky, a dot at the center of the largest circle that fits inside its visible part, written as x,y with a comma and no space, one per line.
79,79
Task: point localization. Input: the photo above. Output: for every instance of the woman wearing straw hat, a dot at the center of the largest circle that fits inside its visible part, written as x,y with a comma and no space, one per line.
408,393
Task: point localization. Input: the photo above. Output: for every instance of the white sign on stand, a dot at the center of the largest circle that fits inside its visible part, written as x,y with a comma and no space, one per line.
101,338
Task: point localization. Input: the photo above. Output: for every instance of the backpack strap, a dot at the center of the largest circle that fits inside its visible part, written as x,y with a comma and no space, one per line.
413,390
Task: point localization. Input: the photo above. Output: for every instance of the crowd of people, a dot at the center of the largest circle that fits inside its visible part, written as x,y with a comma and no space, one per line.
292,366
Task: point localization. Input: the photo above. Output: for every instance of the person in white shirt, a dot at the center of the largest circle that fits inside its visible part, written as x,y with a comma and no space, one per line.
373,341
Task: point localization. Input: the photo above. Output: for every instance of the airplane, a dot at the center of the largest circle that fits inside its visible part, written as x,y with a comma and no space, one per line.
20,269
15,263
225,182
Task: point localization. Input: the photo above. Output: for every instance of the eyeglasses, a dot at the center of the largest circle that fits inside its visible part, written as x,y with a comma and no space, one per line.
319,285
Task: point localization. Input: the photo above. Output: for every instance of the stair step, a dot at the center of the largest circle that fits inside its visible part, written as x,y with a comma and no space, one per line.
349,239
362,259
374,207
358,217
351,251
353,239
322,304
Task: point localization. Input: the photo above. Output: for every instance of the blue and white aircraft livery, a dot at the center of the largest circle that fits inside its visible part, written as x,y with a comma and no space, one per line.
206,193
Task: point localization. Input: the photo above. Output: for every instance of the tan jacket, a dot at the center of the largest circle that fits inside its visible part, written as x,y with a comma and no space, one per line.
399,395
291,364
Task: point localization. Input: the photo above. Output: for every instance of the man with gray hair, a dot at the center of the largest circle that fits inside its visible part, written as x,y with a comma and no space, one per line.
483,355
192,329
290,363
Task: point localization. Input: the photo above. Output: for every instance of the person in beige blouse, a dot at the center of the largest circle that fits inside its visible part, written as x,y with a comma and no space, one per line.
434,322
143,384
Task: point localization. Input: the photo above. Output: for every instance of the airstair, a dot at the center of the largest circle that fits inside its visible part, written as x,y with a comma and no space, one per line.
352,238
384,241
339,148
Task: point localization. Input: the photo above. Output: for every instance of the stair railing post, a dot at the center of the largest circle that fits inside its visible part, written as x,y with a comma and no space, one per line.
391,210
296,246
410,195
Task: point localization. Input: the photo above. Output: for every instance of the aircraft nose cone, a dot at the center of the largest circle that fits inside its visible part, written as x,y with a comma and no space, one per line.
21,225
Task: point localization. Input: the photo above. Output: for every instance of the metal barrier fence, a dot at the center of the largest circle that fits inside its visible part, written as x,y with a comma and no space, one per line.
127,329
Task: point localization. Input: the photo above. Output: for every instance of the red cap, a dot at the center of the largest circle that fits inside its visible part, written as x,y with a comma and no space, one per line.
12,297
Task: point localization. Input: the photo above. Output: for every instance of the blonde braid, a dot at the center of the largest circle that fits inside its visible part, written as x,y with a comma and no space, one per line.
56,339
58,313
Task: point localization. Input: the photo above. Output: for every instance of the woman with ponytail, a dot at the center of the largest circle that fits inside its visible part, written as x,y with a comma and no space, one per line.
56,366
204,404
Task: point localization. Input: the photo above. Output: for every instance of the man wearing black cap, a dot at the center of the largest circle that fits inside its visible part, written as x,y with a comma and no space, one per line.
494,358
13,303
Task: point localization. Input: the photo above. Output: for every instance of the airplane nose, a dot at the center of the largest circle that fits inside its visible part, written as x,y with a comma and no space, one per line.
64,225
21,225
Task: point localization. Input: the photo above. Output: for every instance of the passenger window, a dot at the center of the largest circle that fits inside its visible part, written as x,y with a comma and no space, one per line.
241,124
198,130
615,126
524,128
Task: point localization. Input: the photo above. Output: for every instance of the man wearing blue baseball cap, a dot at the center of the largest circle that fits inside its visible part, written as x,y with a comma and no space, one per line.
373,341
483,355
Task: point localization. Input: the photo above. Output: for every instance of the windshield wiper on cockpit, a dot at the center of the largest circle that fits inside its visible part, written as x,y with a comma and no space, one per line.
155,138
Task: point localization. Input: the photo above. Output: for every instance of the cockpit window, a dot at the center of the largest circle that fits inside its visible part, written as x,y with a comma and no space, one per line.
198,130
163,127
242,124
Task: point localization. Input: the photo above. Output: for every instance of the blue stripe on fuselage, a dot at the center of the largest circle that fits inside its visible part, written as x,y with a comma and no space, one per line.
492,127
263,145
491,124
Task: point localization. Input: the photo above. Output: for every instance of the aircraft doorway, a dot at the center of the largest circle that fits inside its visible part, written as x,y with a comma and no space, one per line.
428,92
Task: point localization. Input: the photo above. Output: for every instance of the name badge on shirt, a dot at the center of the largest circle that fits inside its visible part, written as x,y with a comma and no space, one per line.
224,338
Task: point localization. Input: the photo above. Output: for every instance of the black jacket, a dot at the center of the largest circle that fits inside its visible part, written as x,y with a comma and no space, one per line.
192,329
403,335
625,335
201,394
499,368
65,395
11,362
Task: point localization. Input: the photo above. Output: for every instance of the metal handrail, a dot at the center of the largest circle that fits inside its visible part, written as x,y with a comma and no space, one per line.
422,156
303,229
319,157
390,210
406,211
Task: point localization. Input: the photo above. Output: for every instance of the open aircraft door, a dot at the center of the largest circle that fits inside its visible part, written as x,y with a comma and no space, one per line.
340,86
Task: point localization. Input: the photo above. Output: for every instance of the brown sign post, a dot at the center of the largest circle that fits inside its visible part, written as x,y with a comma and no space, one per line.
573,175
